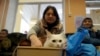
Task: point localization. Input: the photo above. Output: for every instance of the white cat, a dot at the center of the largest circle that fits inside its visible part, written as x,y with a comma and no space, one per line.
56,40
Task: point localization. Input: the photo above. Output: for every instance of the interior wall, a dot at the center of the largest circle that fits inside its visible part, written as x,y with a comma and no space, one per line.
21,1
3,12
73,8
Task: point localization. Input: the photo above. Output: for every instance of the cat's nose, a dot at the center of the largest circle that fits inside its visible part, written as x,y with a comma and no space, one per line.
58,46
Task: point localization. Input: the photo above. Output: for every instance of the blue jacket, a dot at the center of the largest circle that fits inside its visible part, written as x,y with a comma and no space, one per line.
75,40
75,47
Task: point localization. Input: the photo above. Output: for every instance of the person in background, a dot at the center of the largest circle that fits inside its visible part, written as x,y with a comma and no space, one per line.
94,34
5,43
3,34
87,47
50,21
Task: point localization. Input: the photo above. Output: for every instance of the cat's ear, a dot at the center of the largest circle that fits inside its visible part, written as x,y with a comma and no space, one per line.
48,33
63,33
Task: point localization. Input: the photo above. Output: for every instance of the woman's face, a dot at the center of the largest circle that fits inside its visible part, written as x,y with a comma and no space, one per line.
87,23
50,17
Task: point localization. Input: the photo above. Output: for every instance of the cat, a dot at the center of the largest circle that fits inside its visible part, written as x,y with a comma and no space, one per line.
56,40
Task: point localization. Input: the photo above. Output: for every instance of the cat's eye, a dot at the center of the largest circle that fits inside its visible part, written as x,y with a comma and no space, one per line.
53,40
60,40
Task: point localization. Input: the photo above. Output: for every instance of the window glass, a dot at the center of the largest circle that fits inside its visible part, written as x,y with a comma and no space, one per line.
31,12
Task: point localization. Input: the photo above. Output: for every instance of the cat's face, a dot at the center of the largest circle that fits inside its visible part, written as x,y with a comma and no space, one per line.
56,40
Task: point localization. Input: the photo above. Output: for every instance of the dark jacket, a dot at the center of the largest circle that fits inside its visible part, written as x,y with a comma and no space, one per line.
93,39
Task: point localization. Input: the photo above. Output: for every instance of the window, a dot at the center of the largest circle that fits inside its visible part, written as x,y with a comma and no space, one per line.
93,11
30,12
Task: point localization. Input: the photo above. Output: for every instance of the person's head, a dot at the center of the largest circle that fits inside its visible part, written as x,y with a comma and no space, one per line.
50,15
87,23
4,32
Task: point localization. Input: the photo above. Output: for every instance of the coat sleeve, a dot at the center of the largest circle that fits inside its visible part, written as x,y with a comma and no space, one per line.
93,39
34,30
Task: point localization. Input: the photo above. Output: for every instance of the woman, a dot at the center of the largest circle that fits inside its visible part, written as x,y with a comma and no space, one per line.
50,21
94,35
86,48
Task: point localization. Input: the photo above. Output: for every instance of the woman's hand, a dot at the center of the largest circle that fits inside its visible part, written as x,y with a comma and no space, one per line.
35,42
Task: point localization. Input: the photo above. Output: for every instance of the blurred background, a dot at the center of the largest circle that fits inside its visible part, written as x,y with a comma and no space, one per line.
23,14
